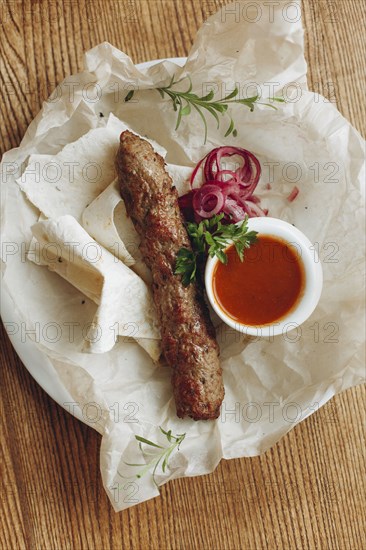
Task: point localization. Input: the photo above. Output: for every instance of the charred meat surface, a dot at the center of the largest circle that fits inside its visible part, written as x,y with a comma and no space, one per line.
188,336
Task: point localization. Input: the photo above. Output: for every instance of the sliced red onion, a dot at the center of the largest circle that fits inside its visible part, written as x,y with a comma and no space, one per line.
194,173
221,173
255,199
228,188
234,210
253,210
208,201
292,196
227,191
247,174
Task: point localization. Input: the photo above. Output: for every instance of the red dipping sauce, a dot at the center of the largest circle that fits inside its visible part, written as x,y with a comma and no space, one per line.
265,287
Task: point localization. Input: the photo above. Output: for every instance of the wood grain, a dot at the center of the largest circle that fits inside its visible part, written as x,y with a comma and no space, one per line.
305,493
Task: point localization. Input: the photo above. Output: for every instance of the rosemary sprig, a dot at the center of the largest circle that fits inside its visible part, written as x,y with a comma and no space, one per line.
184,102
159,457
210,237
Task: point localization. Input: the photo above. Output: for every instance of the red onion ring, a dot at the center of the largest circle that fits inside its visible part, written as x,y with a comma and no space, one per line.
223,190
247,174
208,201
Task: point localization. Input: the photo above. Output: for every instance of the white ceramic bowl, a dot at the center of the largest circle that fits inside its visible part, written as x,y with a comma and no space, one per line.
313,280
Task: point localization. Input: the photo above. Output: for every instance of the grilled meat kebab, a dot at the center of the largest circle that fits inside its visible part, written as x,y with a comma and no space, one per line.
188,336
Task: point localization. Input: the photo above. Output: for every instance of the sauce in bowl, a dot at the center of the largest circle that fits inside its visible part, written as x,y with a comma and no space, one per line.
265,287
277,286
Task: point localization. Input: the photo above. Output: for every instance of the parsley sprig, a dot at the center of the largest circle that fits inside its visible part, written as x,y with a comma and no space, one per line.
185,101
211,237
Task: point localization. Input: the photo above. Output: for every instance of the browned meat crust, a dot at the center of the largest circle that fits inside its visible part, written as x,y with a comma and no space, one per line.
188,336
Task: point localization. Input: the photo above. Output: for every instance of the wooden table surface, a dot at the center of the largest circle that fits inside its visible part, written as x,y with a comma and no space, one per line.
306,492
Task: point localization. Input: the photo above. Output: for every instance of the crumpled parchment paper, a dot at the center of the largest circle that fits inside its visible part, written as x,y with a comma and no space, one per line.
271,384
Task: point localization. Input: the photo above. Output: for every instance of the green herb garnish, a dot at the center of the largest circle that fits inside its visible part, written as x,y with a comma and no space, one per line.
184,102
211,237
159,457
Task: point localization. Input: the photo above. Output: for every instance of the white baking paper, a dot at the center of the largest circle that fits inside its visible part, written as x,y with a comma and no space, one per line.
270,384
